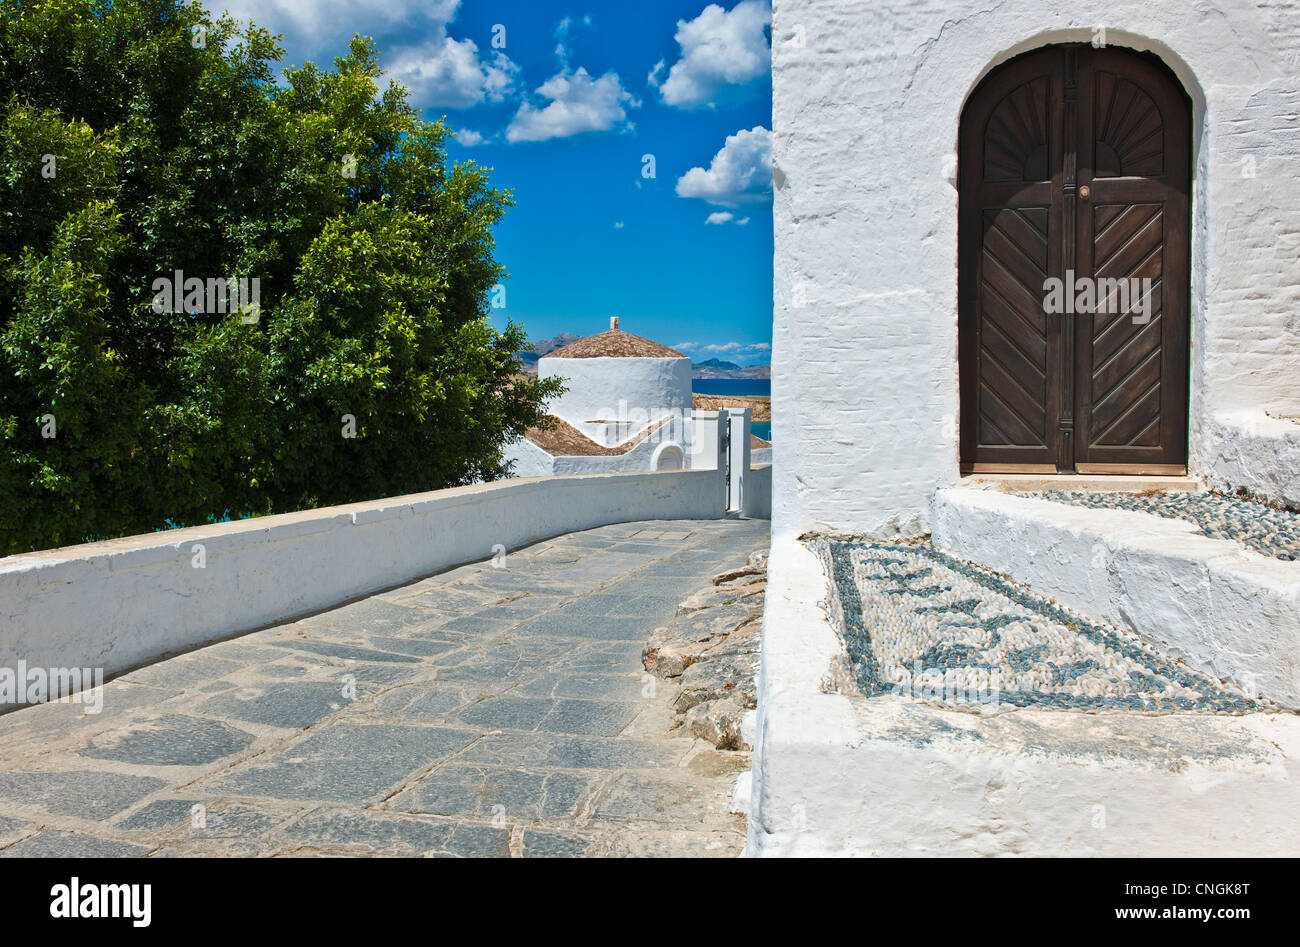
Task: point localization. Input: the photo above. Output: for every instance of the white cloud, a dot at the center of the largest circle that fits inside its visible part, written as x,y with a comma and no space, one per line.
562,30
311,23
738,348
440,71
452,73
724,54
618,225
744,353
740,173
725,217
469,138
578,103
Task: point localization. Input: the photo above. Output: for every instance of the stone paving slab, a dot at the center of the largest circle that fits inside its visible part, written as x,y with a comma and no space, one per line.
491,710
325,765
54,844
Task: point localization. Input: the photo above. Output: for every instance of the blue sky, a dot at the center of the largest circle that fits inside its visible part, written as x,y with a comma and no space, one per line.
565,101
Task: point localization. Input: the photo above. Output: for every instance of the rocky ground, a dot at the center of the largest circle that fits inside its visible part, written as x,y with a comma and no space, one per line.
710,649
761,406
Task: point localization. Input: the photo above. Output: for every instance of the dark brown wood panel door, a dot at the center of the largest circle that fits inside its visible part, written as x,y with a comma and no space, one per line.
1074,167
1135,161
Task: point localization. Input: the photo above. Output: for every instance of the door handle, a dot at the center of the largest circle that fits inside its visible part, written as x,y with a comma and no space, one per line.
1085,192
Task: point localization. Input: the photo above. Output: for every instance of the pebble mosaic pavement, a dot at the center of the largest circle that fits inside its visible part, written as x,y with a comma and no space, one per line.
1266,530
925,625
497,712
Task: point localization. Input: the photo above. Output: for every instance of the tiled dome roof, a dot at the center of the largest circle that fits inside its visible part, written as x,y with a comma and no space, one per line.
614,344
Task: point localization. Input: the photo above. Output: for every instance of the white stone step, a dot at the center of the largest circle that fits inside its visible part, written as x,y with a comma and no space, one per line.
1254,451
1050,783
1091,482
1223,608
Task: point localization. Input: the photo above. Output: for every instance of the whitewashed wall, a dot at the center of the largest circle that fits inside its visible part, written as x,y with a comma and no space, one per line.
703,451
757,502
117,604
738,422
614,388
529,460
1252,451
866,103
638,459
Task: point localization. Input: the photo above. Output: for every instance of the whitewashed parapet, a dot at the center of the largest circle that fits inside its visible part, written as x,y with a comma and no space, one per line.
118,604
757,503
1252,452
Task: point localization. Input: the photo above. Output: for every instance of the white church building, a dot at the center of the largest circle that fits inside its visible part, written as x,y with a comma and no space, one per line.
627,408
938,166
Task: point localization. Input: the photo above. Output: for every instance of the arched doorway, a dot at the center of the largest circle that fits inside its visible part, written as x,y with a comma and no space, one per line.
1074,176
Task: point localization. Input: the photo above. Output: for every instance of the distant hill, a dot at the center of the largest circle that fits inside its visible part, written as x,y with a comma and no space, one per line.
545,347
548,346
716,368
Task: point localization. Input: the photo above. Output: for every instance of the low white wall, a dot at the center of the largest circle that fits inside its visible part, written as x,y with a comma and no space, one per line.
117,604
1250,449
758,493
799,729
528,459
704,447
640,459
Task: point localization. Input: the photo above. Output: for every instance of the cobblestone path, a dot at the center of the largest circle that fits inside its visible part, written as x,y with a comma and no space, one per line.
488,710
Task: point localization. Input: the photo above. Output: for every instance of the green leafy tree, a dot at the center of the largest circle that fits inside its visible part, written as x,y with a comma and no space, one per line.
140,138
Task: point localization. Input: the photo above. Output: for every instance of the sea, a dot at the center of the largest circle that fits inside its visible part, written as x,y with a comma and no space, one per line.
752,387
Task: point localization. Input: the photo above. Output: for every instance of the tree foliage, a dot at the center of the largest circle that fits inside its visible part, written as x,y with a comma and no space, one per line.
141,138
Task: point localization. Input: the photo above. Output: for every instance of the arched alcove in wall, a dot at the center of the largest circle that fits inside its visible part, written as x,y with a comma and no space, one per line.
1074,174
669,456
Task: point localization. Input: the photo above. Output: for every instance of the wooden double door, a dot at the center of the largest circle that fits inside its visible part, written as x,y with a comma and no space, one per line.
1075,166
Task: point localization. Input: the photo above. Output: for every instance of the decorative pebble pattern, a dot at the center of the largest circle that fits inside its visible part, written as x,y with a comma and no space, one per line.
923,624
1262,528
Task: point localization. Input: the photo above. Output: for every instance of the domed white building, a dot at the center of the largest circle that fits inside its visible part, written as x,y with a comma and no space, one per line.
627,408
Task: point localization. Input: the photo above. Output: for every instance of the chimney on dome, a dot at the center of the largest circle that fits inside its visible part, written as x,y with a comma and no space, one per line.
613,323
